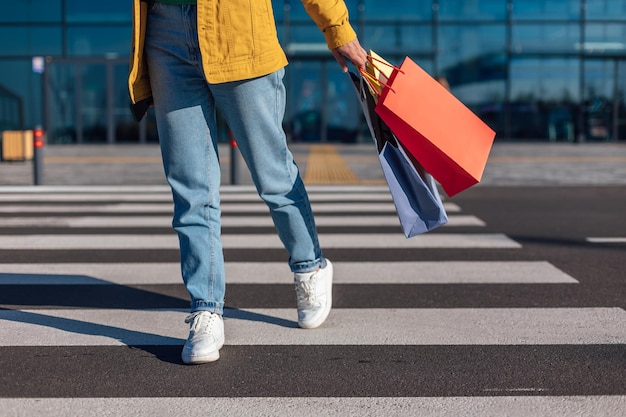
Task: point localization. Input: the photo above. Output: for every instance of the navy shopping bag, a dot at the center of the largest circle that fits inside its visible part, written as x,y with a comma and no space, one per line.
414,191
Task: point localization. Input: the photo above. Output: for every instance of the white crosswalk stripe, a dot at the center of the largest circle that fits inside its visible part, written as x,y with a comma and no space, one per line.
515,406
254,241
262,220
97,327
227,208
421,272
131,219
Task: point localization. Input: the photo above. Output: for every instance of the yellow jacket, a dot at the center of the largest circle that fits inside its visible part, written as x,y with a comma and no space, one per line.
237,40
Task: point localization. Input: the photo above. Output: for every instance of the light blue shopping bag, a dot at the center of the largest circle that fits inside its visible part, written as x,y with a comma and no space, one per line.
414,193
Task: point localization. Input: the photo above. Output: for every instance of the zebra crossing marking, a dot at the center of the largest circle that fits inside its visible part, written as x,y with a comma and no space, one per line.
50,327
606,239
423,272
485,406
407,326
227,221
260,207
258,241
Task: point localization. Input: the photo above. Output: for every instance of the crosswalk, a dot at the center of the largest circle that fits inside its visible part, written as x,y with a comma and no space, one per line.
446,323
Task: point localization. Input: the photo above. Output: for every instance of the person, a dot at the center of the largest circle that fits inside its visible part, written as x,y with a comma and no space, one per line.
190,58
441,79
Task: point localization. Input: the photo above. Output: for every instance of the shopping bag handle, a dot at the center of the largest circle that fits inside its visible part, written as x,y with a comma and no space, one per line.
371,60
371,80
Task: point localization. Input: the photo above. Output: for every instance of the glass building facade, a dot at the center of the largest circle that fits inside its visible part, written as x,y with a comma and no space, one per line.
542,70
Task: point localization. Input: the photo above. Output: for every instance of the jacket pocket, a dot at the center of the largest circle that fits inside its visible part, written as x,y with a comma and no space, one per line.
252,28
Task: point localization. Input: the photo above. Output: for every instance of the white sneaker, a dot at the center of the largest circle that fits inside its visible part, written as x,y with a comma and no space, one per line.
206,337
314,296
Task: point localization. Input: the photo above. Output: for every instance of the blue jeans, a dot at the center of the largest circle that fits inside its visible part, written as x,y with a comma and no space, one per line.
185,108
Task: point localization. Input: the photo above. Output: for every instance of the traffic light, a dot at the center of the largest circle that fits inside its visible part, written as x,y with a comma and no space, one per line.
39,140
38,137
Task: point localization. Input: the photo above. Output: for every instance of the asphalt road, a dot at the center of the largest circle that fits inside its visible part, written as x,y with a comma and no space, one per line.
516,307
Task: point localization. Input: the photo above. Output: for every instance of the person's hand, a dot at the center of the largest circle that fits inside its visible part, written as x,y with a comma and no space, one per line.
353,52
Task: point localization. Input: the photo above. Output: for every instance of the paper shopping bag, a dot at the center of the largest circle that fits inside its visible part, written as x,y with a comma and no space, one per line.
446,137
414,192
415,195
379,74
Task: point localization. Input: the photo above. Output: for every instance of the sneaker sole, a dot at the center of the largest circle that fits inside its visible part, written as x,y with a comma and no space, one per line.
329,291
212,356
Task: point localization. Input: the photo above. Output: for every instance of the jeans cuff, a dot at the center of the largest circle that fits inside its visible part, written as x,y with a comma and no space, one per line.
308,266
204,305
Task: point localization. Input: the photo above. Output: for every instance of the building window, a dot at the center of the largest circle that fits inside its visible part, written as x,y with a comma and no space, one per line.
30,40
466,43
605,9
397,10
110,11
605,38
30,11
472,9
545,98
546,10
98,41
549,37
399,39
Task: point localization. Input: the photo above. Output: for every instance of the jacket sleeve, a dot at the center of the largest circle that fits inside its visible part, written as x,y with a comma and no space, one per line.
331,16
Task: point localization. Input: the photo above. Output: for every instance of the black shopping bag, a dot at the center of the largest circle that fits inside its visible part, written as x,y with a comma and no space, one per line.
414,191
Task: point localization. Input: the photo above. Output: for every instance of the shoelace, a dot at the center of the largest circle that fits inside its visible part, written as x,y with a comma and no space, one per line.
200,320
305,292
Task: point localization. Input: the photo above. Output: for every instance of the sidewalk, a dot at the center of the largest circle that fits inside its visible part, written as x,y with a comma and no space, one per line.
510,164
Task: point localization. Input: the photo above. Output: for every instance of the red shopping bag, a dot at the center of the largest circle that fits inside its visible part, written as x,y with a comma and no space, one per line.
446,137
